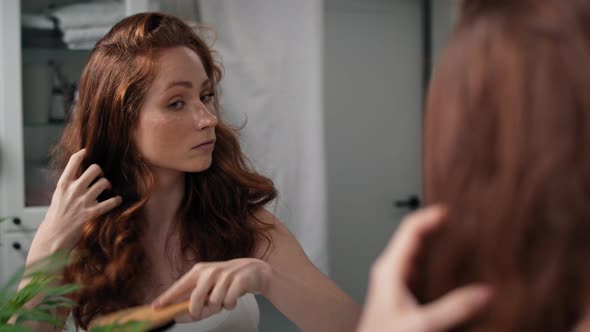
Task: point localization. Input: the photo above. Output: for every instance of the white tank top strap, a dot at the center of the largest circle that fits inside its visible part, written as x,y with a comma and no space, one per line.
243,318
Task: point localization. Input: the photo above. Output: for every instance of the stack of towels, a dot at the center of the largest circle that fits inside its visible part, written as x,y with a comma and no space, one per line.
40,31
83,24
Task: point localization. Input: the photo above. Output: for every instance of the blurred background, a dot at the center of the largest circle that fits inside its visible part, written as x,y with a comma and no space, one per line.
331,93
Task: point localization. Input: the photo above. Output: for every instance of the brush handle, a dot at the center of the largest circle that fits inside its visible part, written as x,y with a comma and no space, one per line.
172,310
154,317
165,315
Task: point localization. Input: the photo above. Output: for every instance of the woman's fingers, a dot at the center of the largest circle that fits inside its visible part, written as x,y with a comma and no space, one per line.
72,167
208,312
456,307
217,296
214,286
199,296
237,288
90,174
106,205
404,246
185,284
97,188
391,305
583,326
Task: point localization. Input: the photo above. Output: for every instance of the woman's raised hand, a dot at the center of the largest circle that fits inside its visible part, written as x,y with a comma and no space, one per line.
390,305
74,202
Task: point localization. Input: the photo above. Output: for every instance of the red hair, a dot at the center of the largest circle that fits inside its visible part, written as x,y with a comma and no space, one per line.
218,221
507,124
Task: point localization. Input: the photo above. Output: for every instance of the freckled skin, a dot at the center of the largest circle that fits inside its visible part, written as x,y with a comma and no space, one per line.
175,119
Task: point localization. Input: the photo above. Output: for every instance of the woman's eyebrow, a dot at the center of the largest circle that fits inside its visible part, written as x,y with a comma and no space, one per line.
206,83
186,84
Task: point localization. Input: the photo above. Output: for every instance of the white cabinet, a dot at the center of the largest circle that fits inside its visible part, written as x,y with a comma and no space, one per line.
15,248
32,109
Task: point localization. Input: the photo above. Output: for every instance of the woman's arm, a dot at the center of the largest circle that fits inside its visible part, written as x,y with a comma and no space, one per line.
41,248
74,201
298,289
283,274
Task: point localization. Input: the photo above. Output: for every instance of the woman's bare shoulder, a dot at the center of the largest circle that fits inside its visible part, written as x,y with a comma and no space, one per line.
275,228
278,242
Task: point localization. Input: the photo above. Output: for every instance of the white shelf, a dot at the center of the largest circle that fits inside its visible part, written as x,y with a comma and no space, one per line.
26,136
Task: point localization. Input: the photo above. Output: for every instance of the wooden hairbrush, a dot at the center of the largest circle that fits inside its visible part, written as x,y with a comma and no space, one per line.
156,319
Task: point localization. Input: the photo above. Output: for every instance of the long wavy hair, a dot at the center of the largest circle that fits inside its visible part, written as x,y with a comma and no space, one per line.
507,125
218,211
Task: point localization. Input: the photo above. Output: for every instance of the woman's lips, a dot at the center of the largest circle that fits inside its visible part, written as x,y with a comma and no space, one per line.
208,145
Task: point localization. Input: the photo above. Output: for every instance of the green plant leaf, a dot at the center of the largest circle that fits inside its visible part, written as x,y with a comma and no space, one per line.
37,315
45,266
6,312
27,293
10,286
42,281
43,277
62,290
14,328
57,302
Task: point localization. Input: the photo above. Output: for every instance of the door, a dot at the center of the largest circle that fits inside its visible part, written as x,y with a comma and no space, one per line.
373,119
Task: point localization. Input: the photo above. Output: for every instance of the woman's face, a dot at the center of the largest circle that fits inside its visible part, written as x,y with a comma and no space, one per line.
176,126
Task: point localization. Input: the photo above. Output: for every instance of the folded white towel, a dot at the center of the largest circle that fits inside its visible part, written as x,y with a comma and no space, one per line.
81,35
88,45
37,21
89,14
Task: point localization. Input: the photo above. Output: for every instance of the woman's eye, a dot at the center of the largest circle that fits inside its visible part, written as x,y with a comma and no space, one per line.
177,105
207,98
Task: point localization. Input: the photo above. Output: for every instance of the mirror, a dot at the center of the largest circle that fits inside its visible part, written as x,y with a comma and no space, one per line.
330,94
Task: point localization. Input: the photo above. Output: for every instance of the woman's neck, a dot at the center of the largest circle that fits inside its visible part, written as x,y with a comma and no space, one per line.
162,209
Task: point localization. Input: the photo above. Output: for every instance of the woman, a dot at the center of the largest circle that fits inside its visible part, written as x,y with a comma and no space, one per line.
506,130
157,201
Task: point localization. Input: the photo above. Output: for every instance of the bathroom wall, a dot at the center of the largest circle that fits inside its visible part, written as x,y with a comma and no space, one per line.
372,116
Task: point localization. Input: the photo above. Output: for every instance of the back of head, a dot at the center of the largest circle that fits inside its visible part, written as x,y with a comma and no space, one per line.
507,122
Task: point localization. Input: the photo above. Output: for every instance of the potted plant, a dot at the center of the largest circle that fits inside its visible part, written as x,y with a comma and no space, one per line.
44,281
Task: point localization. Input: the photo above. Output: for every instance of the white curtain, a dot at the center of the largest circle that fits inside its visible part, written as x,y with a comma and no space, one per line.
272,55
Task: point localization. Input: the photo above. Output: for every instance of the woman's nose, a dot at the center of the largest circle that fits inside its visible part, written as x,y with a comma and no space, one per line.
205,118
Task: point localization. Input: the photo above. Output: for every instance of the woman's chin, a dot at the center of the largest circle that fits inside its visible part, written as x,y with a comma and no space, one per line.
201,166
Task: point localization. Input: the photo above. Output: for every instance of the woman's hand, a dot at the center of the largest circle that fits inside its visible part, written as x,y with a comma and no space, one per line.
217,285
74,202
390,305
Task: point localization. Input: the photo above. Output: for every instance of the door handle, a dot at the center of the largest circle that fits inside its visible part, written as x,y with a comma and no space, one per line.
412,203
